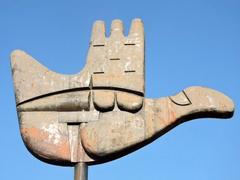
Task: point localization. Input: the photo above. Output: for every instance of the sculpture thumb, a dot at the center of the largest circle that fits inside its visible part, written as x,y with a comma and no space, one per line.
199,102
130,131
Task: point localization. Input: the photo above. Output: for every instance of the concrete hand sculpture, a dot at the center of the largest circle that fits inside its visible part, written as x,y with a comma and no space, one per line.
101,113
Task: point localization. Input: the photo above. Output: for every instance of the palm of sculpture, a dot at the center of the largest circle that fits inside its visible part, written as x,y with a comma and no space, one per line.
101,114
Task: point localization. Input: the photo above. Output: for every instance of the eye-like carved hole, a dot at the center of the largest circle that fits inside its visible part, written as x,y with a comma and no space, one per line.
181,99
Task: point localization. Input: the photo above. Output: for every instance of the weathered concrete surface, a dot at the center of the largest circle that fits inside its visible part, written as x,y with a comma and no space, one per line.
117,131
114,62
101,113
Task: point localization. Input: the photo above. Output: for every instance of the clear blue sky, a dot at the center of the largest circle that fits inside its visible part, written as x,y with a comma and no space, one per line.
188,42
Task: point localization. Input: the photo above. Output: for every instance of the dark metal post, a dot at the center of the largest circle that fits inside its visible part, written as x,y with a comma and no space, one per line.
81,171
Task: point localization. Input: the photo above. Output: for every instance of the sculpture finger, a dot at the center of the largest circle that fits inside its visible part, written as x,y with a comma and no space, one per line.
137,30
116,29
98,33
103,100
117,61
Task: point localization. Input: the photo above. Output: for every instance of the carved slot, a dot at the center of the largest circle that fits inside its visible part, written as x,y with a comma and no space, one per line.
114,59
98,45
129,71
129,44
98,72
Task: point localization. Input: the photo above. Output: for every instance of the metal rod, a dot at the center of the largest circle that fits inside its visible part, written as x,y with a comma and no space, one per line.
81,171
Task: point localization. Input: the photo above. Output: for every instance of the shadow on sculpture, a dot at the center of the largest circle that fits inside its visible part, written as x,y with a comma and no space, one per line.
101,113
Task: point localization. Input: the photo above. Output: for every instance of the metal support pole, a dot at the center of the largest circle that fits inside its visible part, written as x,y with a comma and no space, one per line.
81,171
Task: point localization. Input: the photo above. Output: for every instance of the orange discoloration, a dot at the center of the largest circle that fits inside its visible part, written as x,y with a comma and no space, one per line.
88,142
37,140
149,118
82,155
170,115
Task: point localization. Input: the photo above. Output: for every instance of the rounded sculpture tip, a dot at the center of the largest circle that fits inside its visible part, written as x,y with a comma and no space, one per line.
16,53
116,26
211,102
15,56
226,106
137,19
